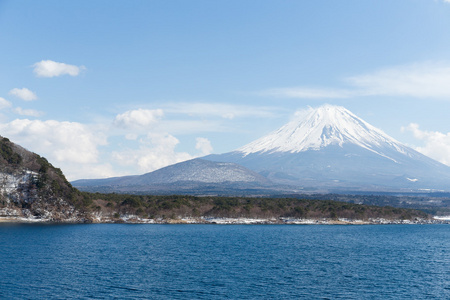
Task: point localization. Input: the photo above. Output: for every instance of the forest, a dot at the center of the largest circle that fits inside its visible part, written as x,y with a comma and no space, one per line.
179,206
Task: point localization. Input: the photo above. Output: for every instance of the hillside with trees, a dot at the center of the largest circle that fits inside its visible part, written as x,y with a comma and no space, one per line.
32,188
177,207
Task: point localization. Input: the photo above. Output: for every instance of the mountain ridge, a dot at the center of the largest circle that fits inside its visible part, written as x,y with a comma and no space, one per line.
181,177
326,149
330,146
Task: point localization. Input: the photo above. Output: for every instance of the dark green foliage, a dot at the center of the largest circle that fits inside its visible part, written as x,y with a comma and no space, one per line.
7,152
51,183
46,185
140,211
132,201
44,165
299,212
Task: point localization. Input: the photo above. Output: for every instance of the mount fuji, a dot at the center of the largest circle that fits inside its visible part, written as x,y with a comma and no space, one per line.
331,148
326,149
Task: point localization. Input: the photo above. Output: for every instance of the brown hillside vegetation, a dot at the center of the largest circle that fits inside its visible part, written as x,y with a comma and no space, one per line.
177,206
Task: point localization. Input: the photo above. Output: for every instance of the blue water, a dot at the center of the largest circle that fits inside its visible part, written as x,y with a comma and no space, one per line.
112,261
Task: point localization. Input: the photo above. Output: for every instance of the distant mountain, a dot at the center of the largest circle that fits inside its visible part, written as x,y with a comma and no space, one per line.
325,126
331,148
327,149
193,175
30,187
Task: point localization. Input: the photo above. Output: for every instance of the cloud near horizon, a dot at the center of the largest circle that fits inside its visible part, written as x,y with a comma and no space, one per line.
419,80
80,149
58,141
50,68
204,145
436,144
155,151
23,93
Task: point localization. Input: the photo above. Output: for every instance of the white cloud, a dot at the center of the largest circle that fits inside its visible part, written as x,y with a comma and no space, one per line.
28,112
204,145
71,146
188,118
177,126
4,103
140,118
131,136
82,151
157,150
23,93
49,68
431,79
307,93
58,141
436,144
225,111
89,171
419,80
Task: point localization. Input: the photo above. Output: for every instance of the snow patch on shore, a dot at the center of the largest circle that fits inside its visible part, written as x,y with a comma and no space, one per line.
443,218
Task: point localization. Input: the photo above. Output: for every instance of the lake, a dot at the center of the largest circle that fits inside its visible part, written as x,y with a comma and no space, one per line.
120,261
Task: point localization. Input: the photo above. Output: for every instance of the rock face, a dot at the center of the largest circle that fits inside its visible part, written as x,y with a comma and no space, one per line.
195,174
31,188
330,147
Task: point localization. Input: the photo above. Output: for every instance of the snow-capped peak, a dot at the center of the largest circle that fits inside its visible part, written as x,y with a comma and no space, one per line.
318,128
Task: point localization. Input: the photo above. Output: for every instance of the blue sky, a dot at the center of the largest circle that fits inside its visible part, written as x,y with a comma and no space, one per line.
109,88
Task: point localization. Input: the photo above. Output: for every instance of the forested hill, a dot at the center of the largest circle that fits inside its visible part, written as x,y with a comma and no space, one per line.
31,188
178,209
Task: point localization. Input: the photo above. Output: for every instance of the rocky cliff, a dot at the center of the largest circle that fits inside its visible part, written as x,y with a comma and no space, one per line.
31,188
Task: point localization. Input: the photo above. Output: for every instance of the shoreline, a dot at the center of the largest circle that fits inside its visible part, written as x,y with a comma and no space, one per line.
131,219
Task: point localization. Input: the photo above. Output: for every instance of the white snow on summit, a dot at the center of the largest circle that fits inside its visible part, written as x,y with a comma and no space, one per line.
321,127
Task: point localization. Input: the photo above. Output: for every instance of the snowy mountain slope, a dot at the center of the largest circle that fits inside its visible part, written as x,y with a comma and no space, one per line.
322,127
331,147
200,170
192,173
